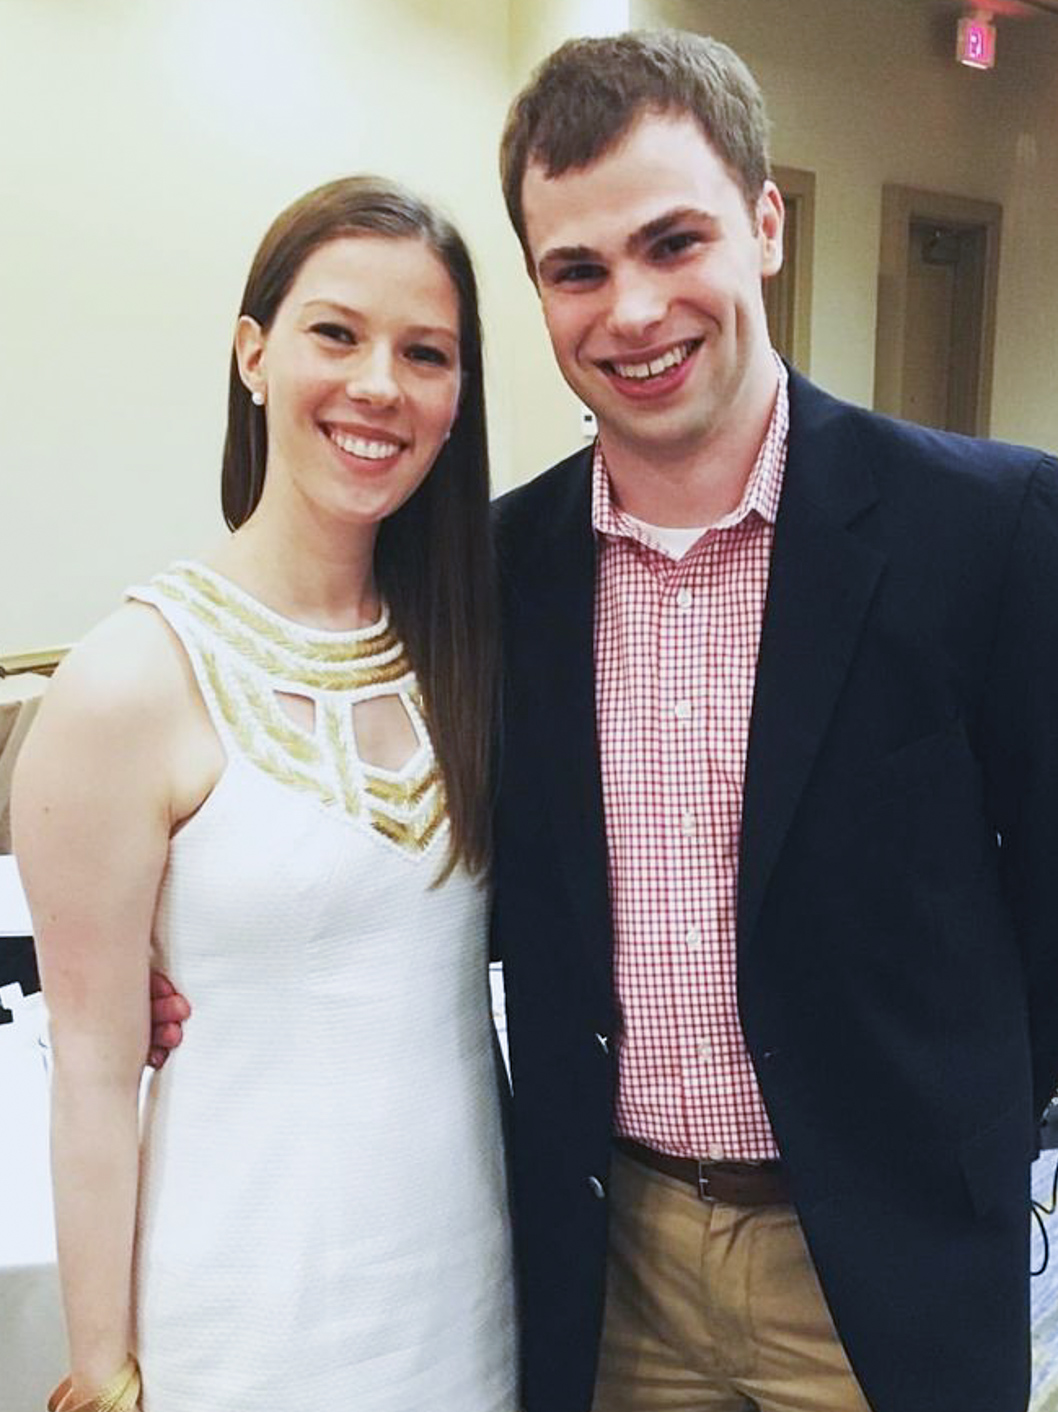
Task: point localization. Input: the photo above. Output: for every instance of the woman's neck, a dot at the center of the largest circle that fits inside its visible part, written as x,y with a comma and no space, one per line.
321,576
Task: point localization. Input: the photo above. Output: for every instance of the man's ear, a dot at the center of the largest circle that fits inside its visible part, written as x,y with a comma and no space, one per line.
249,354
771,217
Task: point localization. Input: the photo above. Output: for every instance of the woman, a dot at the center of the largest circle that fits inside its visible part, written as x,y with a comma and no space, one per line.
266,775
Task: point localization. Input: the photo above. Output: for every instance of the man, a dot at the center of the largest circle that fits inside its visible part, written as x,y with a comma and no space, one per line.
776,859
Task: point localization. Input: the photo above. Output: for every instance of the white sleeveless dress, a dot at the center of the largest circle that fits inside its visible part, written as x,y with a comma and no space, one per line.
323,1220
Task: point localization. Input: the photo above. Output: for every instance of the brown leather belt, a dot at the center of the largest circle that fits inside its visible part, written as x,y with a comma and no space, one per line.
736,1183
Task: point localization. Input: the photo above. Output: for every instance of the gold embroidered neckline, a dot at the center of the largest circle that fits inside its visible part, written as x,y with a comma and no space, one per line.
244,653
278,646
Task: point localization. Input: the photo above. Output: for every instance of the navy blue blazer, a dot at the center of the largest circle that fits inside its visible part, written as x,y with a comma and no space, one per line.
897,926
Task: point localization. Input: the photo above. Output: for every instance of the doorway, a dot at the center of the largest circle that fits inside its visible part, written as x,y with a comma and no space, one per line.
938,271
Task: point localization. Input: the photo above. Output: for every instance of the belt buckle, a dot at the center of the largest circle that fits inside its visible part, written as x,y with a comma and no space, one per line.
703,1182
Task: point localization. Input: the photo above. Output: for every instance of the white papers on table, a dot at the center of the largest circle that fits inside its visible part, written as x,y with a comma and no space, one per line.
14,913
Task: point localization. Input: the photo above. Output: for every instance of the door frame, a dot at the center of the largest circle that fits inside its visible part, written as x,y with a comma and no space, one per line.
792,286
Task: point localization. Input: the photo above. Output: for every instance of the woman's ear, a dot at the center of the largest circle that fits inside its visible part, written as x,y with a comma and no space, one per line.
249,354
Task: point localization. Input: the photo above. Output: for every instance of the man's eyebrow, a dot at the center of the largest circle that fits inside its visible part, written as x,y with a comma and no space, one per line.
568,254
661,225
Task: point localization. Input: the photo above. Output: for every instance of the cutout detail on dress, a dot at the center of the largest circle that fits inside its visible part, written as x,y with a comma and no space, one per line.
334,715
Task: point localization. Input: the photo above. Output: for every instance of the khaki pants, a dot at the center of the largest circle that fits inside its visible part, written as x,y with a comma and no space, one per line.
713,1308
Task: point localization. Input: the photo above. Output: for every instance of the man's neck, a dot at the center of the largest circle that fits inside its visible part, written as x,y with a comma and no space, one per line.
694,486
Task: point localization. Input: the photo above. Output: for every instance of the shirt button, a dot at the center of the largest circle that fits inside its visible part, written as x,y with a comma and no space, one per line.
683,710
714,1153
705,1050
693,937
683,599
687,823
597,1188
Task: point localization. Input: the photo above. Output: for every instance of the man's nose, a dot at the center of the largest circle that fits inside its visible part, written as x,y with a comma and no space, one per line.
637,306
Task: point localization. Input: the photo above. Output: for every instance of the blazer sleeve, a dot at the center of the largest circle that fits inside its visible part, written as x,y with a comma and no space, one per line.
1020,740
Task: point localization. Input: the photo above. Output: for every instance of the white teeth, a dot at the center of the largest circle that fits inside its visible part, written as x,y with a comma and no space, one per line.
671,359
369,450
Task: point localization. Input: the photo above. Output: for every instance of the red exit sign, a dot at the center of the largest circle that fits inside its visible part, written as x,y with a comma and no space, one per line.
976,45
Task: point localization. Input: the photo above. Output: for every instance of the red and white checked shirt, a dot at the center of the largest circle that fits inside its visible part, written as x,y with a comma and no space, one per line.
676,645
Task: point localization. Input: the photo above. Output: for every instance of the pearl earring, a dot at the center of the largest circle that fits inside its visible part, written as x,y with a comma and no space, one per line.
257,398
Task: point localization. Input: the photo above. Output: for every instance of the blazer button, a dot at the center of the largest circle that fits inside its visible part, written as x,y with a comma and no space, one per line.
597,1188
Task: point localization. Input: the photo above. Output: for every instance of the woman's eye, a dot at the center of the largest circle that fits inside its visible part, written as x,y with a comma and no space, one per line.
335,333
424,353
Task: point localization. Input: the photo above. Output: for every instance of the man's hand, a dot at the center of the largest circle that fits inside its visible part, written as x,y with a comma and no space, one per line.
169,1010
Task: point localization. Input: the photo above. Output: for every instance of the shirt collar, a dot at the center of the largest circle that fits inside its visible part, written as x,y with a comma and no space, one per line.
761,495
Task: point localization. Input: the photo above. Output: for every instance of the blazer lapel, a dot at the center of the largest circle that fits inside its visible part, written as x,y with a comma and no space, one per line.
821,583
559,613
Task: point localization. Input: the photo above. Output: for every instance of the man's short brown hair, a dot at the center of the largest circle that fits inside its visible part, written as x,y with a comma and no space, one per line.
585,96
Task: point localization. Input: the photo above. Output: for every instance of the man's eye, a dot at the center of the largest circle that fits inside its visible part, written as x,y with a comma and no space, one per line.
335,333
579,274
676,243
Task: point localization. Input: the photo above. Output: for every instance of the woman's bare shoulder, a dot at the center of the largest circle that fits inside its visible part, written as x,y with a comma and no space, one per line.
99,761
128,673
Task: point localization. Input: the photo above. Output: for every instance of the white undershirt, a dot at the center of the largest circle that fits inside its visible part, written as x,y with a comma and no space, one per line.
674,541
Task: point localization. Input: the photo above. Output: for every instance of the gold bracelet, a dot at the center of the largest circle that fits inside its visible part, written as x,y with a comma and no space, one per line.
121,1393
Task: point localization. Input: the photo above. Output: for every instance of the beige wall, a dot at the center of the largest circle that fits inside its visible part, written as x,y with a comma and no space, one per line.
147,144
864,95
543,416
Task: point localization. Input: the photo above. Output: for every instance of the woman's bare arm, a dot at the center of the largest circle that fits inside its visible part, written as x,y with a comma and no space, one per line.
94,802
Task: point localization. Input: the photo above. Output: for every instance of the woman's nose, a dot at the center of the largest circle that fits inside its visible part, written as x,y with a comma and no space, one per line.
374,378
